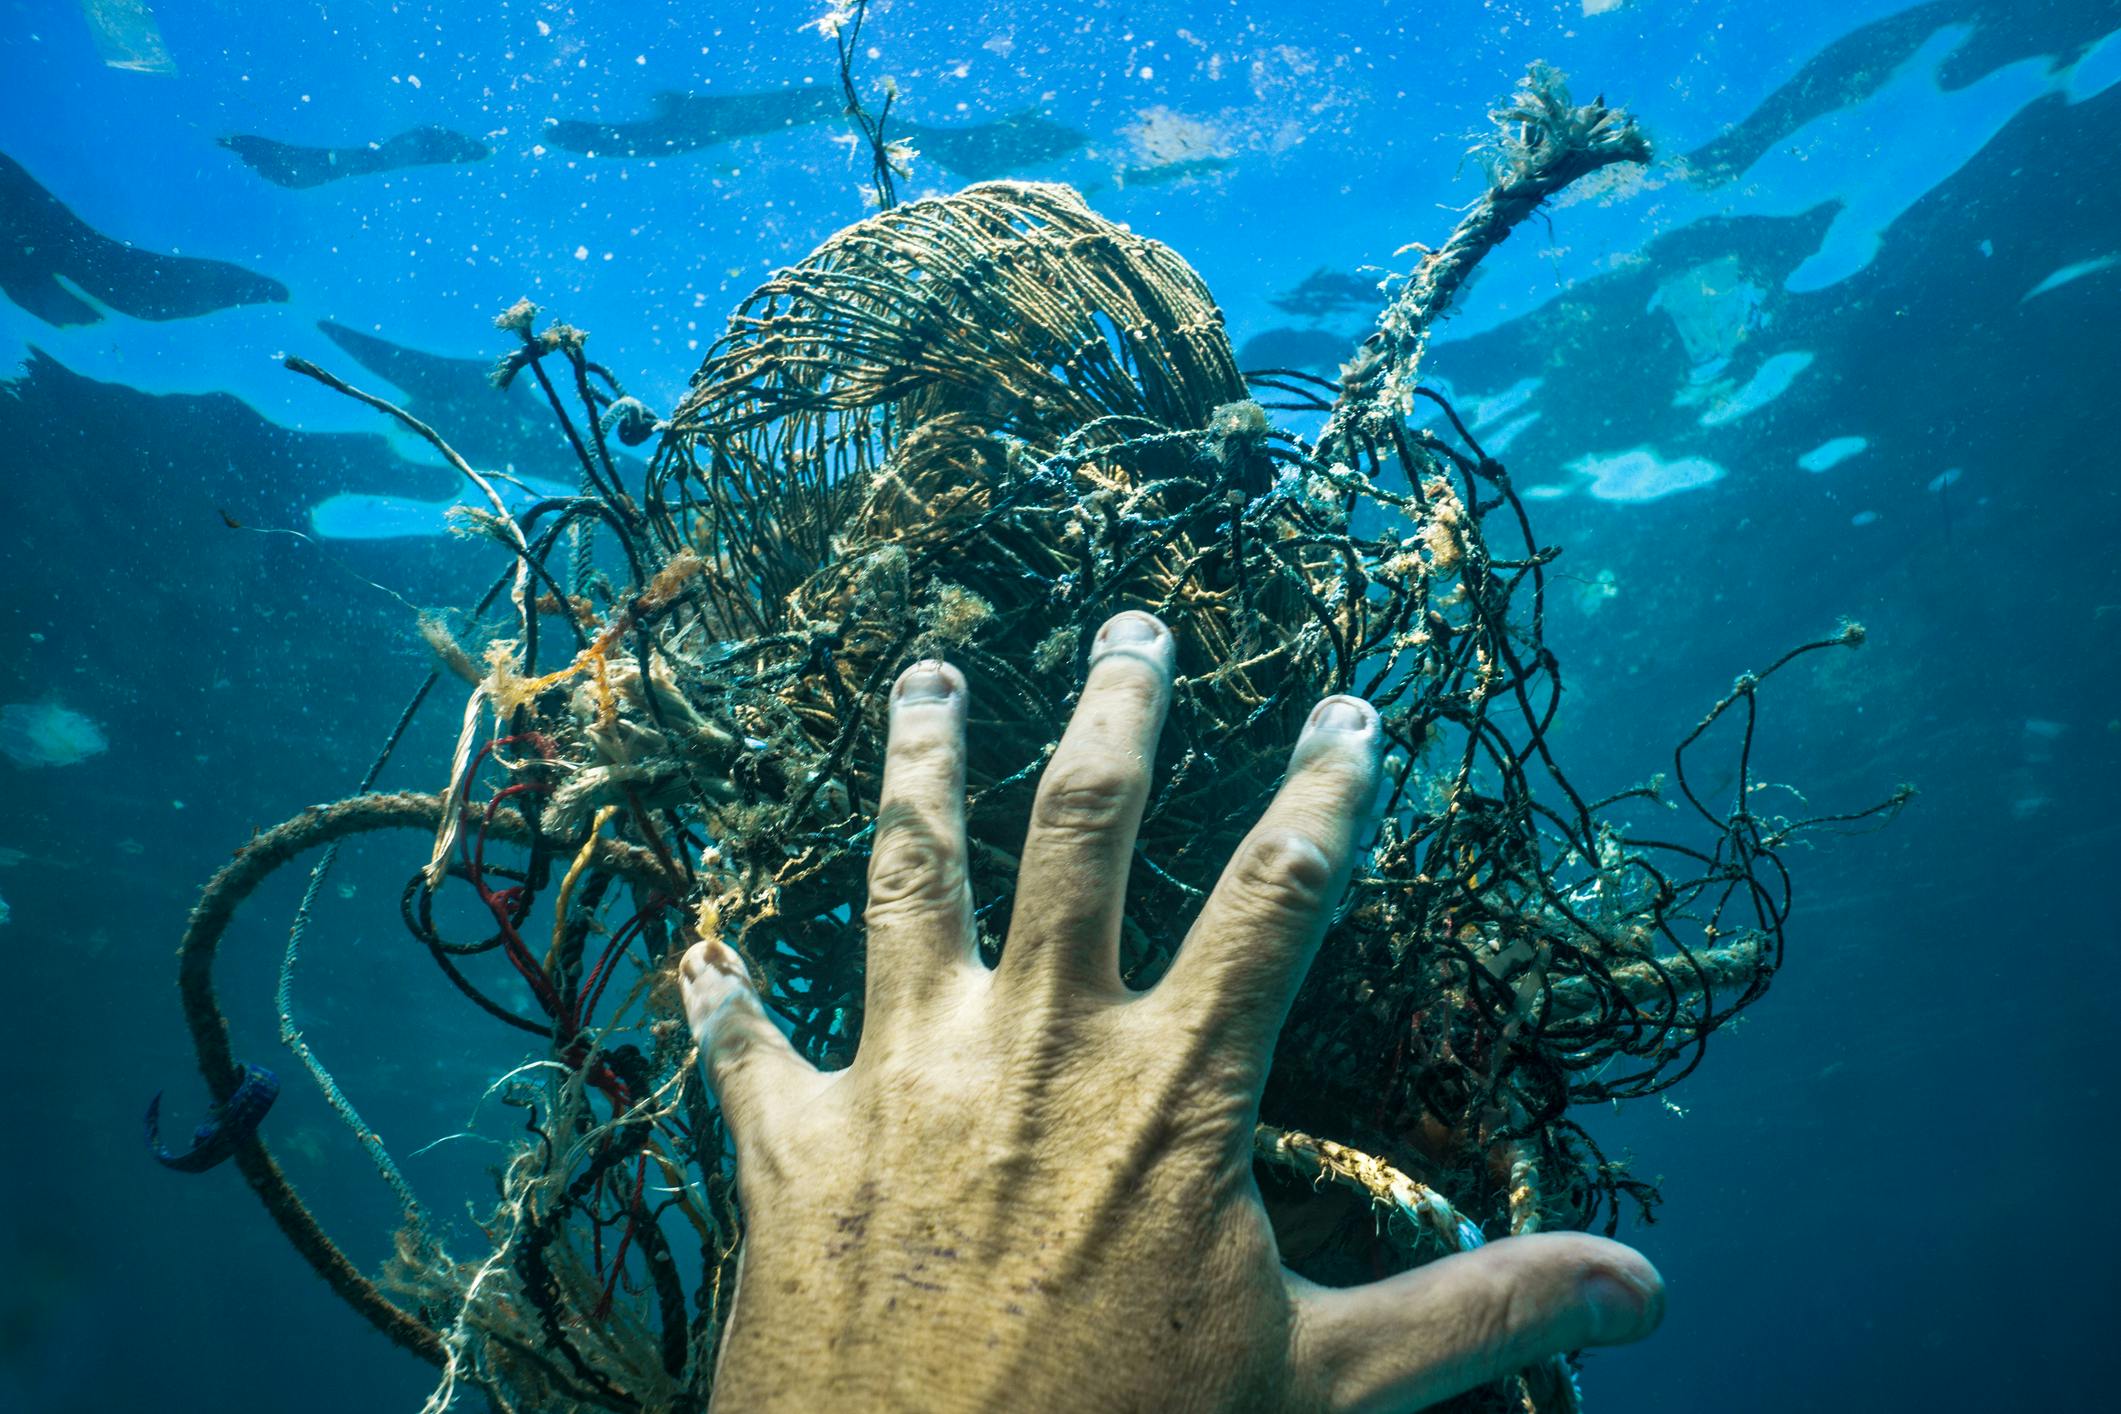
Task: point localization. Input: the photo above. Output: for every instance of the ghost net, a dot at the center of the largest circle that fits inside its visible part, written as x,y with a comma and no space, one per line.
974,427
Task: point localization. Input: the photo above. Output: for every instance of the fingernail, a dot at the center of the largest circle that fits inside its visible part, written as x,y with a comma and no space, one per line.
1342,714
926,681
1132,629
1620,1310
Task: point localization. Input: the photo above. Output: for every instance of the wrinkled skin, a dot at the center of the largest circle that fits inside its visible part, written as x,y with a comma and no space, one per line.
1032,1189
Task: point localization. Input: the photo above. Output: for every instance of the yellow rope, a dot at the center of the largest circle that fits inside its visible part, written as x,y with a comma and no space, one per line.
574,872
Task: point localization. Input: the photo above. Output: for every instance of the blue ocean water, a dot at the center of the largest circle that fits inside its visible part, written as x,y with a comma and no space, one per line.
1847,348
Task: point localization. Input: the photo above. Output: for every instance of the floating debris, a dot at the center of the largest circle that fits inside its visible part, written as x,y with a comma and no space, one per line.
1713,307
38,734
127,36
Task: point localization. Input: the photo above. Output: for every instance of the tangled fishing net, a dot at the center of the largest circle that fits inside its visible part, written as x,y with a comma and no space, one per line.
973,428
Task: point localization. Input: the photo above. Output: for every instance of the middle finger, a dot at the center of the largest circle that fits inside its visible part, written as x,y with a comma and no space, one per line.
1072,886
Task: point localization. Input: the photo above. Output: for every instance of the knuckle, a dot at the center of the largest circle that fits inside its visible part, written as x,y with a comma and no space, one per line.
1086,796
730,1052
913,869
922,755
1343,779
1495,1319
1284,874
1472,1327
923,745
1127,681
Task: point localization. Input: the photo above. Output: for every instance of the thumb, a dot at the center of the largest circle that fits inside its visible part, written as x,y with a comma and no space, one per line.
1465,1320
743,1056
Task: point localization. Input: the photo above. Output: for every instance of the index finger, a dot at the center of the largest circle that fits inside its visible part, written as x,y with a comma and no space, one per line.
919,910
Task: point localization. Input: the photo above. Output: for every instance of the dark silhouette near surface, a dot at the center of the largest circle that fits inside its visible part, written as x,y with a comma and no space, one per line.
508,428
286,165
687,122
42,241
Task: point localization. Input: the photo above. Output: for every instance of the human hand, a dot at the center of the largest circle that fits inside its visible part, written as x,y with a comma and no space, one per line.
1032,1189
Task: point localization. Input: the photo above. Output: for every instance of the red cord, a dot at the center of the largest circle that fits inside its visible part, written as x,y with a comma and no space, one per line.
592,990
634,1215
502,903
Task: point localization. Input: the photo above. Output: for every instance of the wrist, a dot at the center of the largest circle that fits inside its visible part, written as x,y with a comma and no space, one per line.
902,1340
